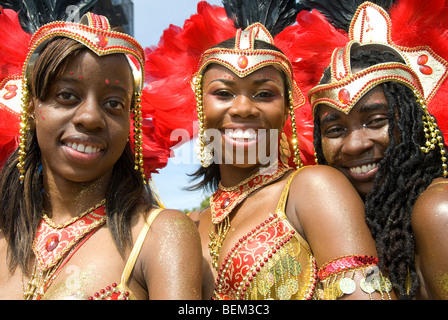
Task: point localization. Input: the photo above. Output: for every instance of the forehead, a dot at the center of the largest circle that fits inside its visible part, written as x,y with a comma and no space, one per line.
87,59
269,72
373,100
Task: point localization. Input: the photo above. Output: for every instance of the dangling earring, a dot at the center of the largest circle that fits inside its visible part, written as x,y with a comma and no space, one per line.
202,149
24,126
295,141
138,139
285,152
432,133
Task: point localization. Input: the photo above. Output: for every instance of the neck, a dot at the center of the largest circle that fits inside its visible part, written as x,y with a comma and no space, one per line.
64,199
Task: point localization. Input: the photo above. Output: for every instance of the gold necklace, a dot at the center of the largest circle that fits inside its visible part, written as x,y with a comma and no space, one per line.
224,200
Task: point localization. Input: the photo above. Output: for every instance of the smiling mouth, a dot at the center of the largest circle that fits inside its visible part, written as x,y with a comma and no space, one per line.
364,169
82,147
239,135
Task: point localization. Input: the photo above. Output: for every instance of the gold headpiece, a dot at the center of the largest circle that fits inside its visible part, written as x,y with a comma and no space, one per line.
242,60
95,33
423,70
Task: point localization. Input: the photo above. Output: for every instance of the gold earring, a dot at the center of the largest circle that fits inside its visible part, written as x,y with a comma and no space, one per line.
24,126
432,133
205,155
295,141
138,138
285,151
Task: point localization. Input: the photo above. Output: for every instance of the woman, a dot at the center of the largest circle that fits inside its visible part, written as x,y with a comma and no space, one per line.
380,134
270,230
78,219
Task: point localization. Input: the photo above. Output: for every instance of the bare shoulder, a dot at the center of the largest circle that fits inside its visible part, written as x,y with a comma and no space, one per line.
322,183
320,176
173,223
431,208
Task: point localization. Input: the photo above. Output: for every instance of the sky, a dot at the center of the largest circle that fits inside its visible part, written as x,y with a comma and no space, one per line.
151,17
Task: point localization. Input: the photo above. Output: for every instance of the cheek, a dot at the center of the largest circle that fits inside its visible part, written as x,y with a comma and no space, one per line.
330,150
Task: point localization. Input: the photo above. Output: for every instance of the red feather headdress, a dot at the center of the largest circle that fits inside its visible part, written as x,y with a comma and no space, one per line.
18,50
172,65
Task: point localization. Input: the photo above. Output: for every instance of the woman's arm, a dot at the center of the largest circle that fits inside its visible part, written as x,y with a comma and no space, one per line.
175,262
331,214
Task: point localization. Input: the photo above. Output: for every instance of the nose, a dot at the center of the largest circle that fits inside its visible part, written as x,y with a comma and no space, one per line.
89,115
243,106
357,142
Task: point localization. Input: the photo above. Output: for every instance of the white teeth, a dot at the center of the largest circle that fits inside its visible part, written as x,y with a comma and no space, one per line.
241,135
81,148
364,168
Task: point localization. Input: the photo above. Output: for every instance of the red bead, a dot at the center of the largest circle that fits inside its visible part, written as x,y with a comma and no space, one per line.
52,243
9,95
102,41
427,70
423,59
225,203
344,96
243,62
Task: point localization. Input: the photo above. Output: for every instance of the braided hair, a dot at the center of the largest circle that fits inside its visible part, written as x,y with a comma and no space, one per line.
403,174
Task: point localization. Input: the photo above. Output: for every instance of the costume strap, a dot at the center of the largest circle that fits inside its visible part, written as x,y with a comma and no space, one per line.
136,249
281,206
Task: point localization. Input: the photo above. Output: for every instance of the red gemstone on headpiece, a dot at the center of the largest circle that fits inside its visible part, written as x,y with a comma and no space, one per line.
344,96
423,59
52,243
102,41
243,62
427,70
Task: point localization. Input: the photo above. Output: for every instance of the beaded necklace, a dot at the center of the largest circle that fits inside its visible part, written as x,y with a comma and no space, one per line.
224,200
55,244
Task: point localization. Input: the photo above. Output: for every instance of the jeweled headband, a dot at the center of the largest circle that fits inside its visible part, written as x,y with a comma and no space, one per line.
94,32
244,59
423,70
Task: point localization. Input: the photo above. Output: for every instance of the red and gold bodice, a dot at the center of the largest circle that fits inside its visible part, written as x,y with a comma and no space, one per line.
54,245
272,261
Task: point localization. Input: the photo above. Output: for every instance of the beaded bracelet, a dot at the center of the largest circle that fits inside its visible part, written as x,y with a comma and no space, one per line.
335,282
344,264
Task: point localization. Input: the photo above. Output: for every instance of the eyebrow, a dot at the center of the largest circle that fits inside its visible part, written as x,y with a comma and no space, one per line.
330,117
373,107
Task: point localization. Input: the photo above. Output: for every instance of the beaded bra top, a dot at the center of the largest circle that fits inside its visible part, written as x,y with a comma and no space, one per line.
272,261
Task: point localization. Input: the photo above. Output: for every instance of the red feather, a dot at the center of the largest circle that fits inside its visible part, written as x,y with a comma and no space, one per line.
425,23
168,99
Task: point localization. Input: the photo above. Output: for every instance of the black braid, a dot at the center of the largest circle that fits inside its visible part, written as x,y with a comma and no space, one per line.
403,174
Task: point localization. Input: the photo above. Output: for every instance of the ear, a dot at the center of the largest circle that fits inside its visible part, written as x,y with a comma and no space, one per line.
31,114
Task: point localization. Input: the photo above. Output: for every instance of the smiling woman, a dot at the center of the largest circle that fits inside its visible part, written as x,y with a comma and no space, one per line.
268,228
78,219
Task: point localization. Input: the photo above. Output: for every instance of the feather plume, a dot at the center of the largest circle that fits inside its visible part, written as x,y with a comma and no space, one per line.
340,12
34,14
275,15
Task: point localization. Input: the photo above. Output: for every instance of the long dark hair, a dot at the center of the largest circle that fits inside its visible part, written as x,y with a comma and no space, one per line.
21,203
403,174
